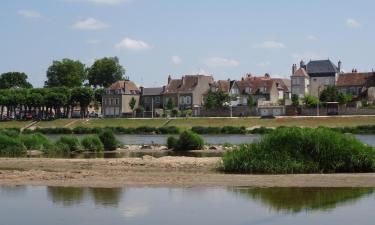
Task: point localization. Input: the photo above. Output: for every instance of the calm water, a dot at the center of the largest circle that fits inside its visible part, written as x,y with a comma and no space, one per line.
209,139
218,206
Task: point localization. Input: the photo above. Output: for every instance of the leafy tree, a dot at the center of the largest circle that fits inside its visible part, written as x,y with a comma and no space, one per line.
329,94
251,102
68,73
132,104
311,101
105,72
83,96
216,99
14,80
170,104
344,98
295,100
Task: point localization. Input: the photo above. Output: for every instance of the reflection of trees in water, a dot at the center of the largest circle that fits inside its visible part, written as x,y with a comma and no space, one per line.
294,200
106,196
69,196
66,196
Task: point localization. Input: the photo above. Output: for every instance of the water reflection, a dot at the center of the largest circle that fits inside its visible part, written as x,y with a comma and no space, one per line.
106,196
295,200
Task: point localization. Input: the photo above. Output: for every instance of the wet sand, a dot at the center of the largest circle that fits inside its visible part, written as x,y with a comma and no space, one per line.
156,172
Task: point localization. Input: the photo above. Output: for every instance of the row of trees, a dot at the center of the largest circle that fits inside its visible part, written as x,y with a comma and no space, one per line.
329,94
46,102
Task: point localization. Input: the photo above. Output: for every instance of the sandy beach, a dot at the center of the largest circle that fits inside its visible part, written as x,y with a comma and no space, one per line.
155,172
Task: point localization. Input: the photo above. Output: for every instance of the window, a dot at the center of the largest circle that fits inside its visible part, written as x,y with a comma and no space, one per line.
117,101
326,81
188,100
182,100
247,89
157,99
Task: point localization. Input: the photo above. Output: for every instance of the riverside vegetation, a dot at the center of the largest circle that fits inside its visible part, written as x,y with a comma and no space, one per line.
301,150
13,143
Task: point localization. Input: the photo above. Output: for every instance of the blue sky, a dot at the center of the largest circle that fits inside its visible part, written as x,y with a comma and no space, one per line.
154,38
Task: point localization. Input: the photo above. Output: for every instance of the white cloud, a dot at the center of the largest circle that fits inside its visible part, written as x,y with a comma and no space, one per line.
263,64
352,23
312,38
176,60
32,14
270,45
134,45
102,2
306,56
220,62
89,24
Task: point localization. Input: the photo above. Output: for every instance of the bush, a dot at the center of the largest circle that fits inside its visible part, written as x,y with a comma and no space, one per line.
189,140
14,133
168,130
297,150
172,142
92,144
261,130
70,142
36,141
10,146
108,139
82,130
233,130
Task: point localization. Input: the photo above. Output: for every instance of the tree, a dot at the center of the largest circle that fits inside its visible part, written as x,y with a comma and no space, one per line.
311,101
132,104
68,73
216,99
329,94
83,96
14,80
105,72
295,100
251,102
170,104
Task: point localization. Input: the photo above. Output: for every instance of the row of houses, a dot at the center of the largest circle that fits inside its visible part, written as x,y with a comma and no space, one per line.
190,91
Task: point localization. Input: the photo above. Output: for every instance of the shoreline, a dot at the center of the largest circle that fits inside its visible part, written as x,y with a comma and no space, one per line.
156,172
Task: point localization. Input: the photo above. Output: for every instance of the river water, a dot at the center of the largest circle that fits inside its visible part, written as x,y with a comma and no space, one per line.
23,205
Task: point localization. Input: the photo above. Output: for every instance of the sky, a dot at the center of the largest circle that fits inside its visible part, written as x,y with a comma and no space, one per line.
155,38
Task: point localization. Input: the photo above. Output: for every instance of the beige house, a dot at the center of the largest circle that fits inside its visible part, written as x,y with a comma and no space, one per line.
117,97
300,82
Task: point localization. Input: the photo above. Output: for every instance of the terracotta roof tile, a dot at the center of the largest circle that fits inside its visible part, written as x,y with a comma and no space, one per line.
301,72
354,79
127,85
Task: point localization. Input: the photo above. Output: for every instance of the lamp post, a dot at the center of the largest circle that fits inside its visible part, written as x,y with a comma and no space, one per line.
318,110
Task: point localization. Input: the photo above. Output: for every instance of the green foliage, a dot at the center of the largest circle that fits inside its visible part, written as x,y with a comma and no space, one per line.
68,73
295,100
172,142
92,144
83,96
332,94
297,150
189,140
14,80
139,111
108,139
170,104
105,72
219,130
69,142
11,146
216,99
36,141
251,102
311,101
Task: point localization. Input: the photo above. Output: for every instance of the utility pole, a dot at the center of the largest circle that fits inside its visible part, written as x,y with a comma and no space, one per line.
152,107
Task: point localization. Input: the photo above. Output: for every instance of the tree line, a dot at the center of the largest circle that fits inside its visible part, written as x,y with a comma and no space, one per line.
69,83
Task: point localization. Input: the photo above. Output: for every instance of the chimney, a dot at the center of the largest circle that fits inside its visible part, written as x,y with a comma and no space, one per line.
294,69
339,65
267,76
141,90
302,64
169,78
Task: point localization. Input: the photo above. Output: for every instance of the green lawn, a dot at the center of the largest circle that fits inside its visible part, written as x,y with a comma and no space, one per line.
190,122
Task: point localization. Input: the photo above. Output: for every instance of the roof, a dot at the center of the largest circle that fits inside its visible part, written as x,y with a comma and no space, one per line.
173,86
283,84
255,83
222,85
187,83
126,85
301,72
321,66
354,79
153,91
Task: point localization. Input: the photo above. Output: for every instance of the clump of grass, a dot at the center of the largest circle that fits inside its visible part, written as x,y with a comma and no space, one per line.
108,139
92,144
68,144
11,146
188,140
301,150
172,142
36,141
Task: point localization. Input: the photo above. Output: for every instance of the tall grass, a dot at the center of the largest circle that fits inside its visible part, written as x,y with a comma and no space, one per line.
301,150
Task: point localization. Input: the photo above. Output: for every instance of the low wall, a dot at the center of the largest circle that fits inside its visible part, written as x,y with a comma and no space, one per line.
342,111
237,111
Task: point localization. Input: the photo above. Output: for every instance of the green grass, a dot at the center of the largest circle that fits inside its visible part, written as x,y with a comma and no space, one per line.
14,124
301,150
127,123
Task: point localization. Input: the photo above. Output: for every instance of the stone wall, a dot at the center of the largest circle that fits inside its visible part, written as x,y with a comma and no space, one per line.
342,111
237,111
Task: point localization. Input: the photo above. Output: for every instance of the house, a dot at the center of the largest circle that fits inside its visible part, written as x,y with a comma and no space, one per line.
300,81
227,86
354,83
187,92
152,98
261,88
322,73
117,97
283,87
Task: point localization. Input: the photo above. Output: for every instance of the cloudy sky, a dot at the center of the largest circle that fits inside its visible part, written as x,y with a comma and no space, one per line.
154,38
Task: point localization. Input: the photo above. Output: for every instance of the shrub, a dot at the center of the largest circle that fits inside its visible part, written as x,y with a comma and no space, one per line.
71,142
36,141
206,130
297,150
261,130
82,130
172,142
233,130
92,144
168,130
189,140
10,132
108,139
10,146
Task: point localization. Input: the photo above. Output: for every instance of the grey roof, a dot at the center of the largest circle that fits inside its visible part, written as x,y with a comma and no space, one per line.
153,91
321,66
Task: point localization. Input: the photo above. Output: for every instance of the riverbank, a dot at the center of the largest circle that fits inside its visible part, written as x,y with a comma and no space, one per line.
156,172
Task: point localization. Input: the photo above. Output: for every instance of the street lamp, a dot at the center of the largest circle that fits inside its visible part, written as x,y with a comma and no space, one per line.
318,110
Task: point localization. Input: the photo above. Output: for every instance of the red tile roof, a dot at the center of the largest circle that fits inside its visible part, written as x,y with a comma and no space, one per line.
127,85
187,83
255,83
222,85
354,79
301,72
